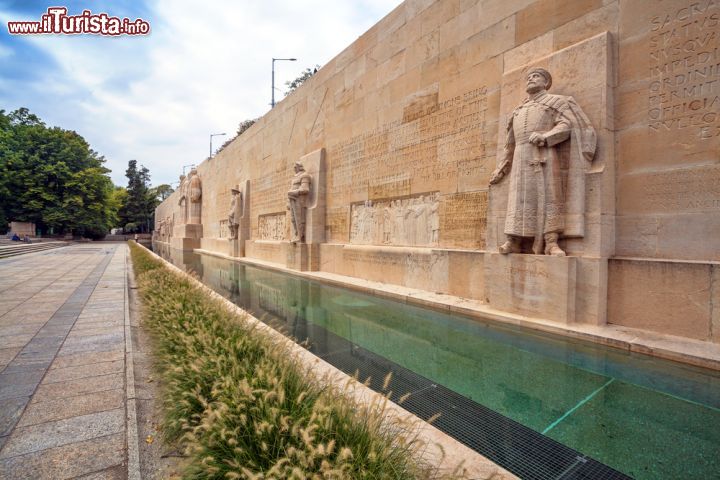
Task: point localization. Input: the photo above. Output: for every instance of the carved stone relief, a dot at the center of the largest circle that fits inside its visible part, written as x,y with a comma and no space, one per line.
411,221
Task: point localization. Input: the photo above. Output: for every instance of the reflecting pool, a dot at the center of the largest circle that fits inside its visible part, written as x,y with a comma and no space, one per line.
645,417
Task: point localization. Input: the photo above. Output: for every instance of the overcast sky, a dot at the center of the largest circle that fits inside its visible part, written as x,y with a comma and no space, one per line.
204,68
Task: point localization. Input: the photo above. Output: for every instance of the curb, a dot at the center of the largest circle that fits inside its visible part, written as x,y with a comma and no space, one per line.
133,449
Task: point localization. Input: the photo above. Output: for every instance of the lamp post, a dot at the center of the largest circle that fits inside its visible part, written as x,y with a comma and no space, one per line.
191,165
272,101
211,137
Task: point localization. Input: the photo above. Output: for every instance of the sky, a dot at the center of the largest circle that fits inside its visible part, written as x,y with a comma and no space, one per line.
204,68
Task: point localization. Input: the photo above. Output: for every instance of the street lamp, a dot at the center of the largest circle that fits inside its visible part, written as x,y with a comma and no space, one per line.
272,102
214,135
191,165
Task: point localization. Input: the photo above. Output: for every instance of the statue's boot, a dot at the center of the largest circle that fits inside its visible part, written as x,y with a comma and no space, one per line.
511,245
551,245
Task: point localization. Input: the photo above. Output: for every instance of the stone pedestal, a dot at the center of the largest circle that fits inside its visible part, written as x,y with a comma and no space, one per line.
538,286
236,248
314,163
303,256
187,237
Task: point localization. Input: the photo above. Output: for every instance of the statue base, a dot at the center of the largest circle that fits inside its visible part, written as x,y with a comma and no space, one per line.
303,257
236,248
539,286
187,237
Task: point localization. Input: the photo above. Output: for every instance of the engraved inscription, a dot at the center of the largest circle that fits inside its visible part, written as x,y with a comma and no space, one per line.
684,90
432,142
396,185
373,258
337,224
267,197
463,220
691,190
272,226
418,265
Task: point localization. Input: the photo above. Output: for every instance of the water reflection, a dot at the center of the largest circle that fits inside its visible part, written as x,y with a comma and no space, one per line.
615,398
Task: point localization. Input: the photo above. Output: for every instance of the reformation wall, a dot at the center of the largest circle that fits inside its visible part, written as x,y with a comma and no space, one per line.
558,160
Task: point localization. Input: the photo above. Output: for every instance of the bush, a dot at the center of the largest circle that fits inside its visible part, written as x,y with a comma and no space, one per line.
241,405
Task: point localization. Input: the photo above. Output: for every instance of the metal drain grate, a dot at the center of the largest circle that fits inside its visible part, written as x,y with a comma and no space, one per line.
517,448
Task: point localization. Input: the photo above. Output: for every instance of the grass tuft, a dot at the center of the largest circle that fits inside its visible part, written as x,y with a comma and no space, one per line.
242,407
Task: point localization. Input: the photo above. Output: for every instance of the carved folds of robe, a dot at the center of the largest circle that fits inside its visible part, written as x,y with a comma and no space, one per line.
537,198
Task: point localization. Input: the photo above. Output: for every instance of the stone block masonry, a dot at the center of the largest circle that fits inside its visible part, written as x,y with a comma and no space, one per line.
413,117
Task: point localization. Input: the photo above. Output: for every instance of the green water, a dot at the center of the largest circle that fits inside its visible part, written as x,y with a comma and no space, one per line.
648,418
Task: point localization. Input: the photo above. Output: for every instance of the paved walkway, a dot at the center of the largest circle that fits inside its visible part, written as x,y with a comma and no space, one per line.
63,395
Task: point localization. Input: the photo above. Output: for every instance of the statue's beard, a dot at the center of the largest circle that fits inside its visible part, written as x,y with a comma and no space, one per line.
533,89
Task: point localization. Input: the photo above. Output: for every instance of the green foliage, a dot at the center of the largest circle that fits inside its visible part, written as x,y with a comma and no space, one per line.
139,204
162,191
295,84
244,125
241,404
52,177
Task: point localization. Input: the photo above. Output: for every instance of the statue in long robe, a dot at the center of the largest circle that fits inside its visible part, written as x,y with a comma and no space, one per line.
236,211
540,204
297,201
195,197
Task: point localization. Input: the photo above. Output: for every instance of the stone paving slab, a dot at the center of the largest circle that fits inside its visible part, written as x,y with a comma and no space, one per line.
48,391
34,438
87,358
62,408
87,457
63,364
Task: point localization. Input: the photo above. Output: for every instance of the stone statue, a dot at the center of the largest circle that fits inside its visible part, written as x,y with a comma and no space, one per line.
297,201
540,205
236,211
195,195
182,201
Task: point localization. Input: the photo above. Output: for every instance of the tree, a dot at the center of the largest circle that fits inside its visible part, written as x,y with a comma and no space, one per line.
51,177
244,125
294,84
139,208
162,191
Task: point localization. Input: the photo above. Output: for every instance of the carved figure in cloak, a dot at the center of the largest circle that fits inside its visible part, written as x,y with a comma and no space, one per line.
369,223
297,201
236,211
387,223
194,194
420,214
401,232
435,220
540,206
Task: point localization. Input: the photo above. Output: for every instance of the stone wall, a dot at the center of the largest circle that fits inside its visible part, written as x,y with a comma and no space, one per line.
410,117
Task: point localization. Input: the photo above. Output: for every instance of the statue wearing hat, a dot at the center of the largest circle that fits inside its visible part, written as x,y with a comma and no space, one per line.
297,201
236,211
546,194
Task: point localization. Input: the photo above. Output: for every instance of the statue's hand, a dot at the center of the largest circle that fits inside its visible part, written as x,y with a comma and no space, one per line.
537,139
496,176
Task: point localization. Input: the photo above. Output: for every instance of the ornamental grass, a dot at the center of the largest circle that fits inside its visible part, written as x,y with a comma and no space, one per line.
240,405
